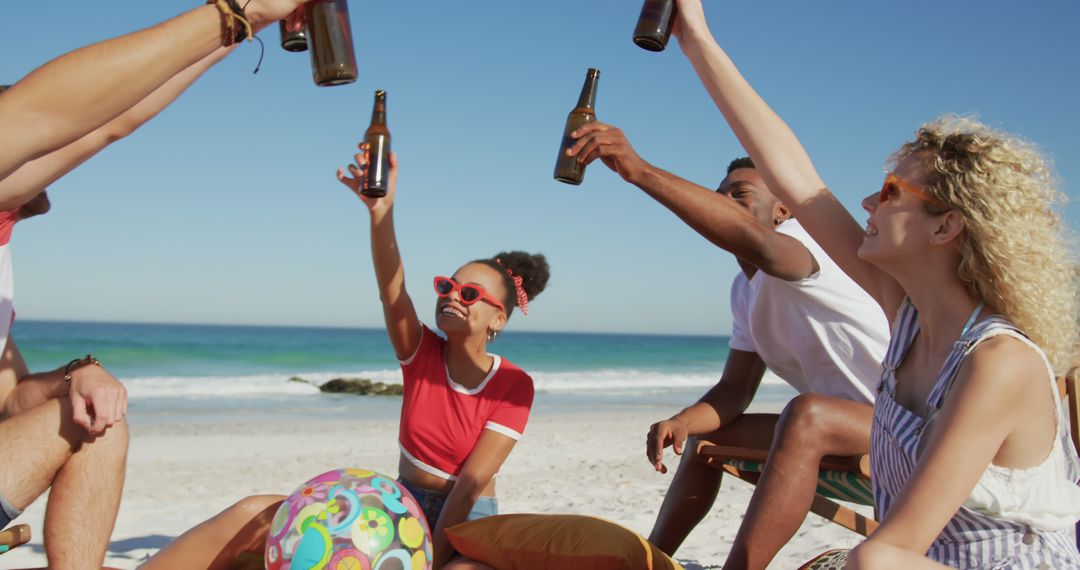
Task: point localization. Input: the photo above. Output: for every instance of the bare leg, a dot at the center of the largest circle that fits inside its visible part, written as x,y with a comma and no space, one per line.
811,427
45,448
233,539
695,485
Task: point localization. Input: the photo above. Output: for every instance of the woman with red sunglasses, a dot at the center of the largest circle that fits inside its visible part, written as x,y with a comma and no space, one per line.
969,449
463,408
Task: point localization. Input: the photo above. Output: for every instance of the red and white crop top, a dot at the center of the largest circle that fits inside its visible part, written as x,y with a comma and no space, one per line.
441,420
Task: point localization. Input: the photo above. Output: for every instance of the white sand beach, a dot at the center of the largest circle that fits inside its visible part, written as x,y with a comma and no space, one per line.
567,463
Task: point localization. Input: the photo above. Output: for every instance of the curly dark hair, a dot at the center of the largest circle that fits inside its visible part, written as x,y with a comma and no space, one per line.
741,162
532,267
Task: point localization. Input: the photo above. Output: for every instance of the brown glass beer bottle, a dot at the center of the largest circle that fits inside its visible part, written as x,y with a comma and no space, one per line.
377,139
567,168
329,37
654,25
290,40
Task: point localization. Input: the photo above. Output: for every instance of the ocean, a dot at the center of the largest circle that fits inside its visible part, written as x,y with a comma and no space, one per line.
211,373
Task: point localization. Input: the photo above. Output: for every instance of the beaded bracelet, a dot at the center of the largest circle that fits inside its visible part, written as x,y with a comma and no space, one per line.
79,363
231,13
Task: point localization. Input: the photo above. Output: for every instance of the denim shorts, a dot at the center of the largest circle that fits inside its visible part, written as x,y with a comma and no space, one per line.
431,502
8,513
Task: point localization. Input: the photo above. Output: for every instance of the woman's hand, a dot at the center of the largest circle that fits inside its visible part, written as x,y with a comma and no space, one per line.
358,170
689,20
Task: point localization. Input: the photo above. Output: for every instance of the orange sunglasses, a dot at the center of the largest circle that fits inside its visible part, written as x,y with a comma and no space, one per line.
899,183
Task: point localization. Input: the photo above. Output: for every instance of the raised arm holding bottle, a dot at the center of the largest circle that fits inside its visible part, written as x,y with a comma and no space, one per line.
78,92
463,408
967,258
786,288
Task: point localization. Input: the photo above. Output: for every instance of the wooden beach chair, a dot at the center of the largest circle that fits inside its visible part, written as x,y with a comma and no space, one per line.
839,479
14,536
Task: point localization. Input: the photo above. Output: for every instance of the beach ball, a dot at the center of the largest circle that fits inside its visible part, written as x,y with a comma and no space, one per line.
349,519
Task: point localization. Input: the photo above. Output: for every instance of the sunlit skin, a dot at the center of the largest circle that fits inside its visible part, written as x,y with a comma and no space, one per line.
474,321
467,329
747,188
464,334
899,226
906,253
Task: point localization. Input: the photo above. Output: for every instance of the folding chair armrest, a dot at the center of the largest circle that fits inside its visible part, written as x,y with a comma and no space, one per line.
714,454
14,536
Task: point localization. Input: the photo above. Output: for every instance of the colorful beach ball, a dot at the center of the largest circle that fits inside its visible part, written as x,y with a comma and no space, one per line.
349,519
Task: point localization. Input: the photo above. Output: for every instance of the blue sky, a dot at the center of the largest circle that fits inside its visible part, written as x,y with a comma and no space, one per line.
225,208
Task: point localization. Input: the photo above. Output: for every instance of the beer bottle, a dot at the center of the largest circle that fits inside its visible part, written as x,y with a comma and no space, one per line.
377,139
290,40
333,61
654,25
567,168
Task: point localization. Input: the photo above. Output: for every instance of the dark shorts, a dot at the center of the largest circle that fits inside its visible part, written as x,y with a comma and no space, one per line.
431,502
8,513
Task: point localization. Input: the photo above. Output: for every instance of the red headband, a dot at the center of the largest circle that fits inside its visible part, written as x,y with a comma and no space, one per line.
519,291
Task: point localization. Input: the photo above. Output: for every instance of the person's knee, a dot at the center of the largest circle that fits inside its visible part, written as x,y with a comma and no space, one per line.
117,436
256,506
871,556
803,422
112,445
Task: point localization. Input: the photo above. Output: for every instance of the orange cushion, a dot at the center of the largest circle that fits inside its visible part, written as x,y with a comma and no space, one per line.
535,542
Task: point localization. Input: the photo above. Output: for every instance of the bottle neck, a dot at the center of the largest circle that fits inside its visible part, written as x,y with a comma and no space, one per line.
378,112
587,99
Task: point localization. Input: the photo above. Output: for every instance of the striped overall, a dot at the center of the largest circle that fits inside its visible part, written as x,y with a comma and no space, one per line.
970,539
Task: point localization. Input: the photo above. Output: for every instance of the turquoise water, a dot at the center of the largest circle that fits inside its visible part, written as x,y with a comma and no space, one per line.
191,371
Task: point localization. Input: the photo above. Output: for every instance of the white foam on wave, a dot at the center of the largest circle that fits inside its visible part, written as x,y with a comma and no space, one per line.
247,386
277,385
629,380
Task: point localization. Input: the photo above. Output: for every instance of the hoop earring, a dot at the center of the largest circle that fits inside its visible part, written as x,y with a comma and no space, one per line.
491,335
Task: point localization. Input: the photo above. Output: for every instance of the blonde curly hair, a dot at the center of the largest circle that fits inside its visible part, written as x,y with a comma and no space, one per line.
1016,254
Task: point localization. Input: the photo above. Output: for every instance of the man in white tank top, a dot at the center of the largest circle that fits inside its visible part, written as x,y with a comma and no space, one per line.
795,313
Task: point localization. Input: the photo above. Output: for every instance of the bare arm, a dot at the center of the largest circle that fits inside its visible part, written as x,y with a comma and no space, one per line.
720,406
779,157
12,369
402,324
717,218
98,398
34,176
483,463
74,94
994,382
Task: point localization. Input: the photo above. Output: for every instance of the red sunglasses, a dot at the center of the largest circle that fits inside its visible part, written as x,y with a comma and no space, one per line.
469,294
894,181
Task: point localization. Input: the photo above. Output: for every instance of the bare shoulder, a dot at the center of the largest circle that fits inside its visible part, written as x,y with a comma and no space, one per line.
1003,365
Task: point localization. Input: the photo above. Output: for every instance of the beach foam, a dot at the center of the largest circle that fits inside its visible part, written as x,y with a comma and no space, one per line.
626,381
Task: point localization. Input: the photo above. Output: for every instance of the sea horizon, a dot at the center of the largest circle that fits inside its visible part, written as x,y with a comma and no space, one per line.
214,373
342,327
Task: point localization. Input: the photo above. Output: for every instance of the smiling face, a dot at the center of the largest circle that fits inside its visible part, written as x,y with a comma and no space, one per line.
899,226
458,320
747,188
